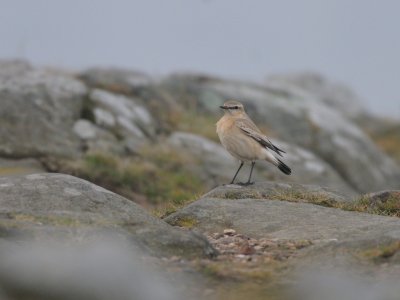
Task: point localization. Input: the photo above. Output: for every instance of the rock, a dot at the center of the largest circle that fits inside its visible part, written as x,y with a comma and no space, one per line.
272,224
85,129
335,95
104,117
102,269
13,68
277,190
117,80
37,203
252,213
213,163
298,116
97,140
132,118
307,168
229,231
37,113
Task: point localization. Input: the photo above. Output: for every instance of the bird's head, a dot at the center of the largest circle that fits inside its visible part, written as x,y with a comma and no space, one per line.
233,108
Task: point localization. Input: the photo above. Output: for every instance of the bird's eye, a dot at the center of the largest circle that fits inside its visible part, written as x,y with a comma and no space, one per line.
236,107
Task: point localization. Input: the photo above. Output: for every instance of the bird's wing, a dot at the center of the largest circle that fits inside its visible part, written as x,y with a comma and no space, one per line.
250,129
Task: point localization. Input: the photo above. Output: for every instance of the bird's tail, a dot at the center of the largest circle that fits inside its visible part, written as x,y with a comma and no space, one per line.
283,167
277,162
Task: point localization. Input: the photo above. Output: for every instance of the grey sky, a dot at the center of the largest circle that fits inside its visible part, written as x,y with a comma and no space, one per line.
354,41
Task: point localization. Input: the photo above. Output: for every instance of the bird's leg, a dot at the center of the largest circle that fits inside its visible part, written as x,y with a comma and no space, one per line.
234,177
251,172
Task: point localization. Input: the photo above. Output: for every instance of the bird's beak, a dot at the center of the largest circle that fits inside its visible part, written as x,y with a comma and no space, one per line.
223,107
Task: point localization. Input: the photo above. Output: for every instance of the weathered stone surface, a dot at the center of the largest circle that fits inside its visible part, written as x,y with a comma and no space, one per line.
13,68
37,112
85,129
119,80
215,165
307,168
249,211
298,116
276,190
131,118
102,269
30,202
360,247
336,95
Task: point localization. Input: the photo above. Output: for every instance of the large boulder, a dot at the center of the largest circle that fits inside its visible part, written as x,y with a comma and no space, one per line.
100,269
290,225
121,114
13,68
37,112
42,205
298,116
114,79
336,95
278,211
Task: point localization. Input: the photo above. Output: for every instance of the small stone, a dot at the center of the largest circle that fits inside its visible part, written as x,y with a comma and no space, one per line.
175,258
267,244
258,248
104,117
231,245
217,235
229,231
85,129
246,249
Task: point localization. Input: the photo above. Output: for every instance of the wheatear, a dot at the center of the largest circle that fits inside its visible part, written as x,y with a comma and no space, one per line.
244,141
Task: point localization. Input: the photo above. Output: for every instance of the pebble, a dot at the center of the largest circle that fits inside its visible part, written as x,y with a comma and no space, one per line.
229,231
235,246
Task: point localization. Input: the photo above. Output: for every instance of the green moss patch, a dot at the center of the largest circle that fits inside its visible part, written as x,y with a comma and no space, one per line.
186,222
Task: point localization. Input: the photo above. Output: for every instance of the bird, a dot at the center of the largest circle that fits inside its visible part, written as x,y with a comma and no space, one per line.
244,141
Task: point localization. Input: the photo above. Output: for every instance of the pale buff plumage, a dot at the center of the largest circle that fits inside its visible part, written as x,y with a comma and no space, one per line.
244,141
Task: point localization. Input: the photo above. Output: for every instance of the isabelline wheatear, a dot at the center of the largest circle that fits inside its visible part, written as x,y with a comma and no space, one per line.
244,141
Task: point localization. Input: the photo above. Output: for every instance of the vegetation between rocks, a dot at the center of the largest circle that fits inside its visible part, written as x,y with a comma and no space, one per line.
156,178
389,207
248,266
201,124
382,253
388,139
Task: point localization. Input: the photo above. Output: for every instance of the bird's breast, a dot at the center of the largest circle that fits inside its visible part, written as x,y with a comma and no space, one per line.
224,125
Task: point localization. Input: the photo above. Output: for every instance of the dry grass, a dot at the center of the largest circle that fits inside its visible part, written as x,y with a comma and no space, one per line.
389,207
156,179
198,123
302,196
382,253
388,139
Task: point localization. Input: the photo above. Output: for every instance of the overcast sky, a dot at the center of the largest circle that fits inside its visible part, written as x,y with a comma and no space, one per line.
354,41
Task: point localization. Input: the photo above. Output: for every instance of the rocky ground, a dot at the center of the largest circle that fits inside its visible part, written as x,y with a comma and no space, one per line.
60,233
146,215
